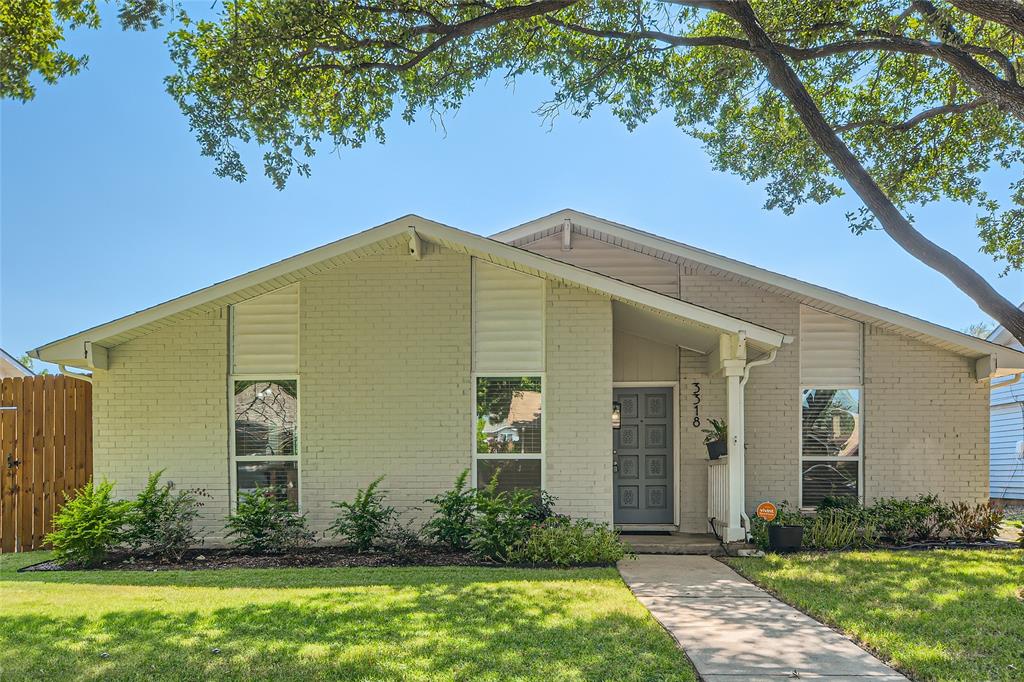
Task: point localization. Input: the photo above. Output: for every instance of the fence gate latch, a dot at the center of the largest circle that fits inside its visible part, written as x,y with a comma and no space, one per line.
11,462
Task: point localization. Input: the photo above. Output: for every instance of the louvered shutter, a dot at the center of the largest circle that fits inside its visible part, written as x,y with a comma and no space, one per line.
508,320
830,349
266,333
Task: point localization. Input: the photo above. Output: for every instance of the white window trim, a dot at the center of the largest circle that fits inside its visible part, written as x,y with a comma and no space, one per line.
800,440
233,459
477,456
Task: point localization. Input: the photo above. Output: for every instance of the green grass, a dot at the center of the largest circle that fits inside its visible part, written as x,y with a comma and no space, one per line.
338,624
942,615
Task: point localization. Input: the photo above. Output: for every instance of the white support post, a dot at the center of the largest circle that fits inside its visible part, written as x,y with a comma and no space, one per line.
734,360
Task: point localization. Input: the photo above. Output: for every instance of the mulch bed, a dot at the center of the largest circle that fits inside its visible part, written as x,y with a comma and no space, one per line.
315,557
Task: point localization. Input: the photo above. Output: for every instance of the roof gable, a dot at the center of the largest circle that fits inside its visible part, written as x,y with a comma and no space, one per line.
700,260
88,348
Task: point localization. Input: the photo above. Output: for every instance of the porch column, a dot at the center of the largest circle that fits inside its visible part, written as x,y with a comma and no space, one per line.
733,352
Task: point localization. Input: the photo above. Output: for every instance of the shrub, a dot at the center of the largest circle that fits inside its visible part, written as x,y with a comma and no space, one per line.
400,541
162,522
834,528
975,523
502,521
452,523
264,524
363,520
570,543
544,508
901,520
88,526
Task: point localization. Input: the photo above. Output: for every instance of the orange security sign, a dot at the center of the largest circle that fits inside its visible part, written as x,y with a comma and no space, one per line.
767,511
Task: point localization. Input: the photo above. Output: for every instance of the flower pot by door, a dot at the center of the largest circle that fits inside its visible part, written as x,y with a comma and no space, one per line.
785,539
717,448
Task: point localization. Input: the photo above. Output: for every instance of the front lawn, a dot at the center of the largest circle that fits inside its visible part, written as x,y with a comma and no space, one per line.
329,623
940,615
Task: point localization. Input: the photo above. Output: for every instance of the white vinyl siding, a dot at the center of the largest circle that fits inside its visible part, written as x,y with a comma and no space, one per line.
614,261
508,320
830,349
265,333
1006,471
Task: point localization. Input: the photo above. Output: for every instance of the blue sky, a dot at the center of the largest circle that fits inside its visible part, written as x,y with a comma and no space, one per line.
106,206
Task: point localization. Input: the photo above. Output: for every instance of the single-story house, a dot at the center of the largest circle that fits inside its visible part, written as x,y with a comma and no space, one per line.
1006,464
570,353
11,367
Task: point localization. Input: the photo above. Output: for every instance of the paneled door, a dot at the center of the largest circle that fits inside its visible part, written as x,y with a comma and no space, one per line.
642,456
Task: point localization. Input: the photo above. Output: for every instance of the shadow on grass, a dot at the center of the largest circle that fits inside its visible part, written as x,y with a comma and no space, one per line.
345,624
947,614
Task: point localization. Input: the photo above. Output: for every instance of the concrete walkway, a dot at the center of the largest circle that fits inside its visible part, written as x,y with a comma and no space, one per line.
733,630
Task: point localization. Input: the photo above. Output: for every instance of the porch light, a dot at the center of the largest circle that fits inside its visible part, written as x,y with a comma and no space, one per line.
616,415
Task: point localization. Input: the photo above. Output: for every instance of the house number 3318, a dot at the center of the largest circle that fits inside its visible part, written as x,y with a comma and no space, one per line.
696,405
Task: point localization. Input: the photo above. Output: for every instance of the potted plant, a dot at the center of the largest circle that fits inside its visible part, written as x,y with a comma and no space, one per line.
716,438
786,531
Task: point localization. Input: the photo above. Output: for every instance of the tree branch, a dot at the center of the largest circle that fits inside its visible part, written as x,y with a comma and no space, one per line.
914,120
1009,13
893,222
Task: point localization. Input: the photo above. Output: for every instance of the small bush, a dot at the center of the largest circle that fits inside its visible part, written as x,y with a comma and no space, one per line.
570,543
362,521
921,519
502,522
975,523
452,522
832,529
161,522
264,524
400,541
88,526
785,517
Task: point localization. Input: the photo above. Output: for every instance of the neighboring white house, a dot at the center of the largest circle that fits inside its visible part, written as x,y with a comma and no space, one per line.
1006,468
11,367
415,350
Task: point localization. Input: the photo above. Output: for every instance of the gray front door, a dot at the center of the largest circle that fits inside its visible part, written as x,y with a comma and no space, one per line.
642,456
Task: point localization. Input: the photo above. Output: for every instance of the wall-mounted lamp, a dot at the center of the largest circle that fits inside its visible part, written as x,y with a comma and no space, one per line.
616,415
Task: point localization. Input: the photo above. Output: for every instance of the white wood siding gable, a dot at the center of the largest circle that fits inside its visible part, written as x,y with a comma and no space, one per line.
830,349
265,333
508,319
597,255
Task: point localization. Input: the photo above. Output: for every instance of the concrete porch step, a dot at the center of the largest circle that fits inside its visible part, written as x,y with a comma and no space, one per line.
679,543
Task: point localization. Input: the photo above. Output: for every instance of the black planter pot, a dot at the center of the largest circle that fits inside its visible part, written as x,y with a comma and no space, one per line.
717,448
785,539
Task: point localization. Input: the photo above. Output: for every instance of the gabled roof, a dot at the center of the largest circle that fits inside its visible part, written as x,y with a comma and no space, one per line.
14,366
1006,360
88,348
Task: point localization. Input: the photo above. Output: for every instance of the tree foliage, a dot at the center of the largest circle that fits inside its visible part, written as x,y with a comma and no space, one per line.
905,101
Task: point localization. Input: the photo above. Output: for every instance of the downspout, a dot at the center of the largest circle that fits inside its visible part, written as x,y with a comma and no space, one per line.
66,372
743,384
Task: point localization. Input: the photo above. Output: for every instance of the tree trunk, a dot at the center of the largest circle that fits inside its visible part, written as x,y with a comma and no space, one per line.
893,222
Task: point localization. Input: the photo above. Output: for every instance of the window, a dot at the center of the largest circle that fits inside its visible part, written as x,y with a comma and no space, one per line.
509,431
265,446
830,444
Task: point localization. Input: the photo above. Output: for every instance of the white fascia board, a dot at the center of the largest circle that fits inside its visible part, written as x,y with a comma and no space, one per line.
1007,356
71,350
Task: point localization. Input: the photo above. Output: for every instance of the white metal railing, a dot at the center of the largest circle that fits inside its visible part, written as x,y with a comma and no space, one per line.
718,492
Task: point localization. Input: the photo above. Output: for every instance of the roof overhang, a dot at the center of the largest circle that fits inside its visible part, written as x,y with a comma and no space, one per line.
993,359
88,349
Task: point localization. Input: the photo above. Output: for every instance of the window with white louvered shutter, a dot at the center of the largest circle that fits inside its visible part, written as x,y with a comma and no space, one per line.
831,415
265,333
830,349
508,320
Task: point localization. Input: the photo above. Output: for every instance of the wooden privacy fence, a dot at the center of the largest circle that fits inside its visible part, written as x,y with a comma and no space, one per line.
46,451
